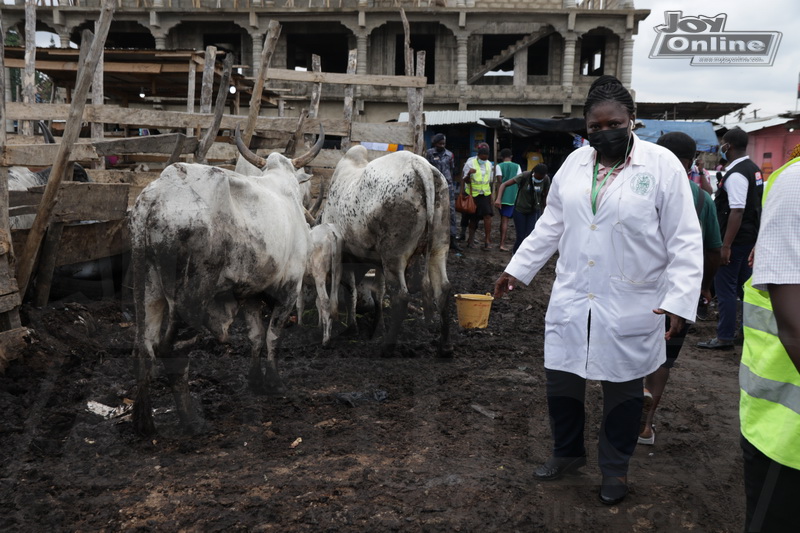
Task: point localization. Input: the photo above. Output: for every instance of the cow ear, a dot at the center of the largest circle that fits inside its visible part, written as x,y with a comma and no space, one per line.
302,177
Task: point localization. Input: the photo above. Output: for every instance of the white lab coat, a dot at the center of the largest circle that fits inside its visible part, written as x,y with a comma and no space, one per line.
642,251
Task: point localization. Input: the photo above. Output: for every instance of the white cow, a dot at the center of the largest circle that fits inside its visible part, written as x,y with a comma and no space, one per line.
206,242
324,265
389,212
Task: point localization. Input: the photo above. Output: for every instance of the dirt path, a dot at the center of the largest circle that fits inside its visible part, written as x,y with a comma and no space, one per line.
404,444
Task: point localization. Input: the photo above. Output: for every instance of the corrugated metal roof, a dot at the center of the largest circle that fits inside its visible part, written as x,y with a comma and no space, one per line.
754,124
436,118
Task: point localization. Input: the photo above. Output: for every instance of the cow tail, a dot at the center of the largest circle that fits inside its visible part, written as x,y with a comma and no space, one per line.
429,183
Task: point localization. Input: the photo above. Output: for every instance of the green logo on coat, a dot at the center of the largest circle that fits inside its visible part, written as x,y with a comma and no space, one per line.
642,183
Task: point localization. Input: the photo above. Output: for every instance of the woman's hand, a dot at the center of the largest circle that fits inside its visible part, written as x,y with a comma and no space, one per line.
505,283
497,204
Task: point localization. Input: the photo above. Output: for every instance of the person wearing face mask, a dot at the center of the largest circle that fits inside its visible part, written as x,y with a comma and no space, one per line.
738,202
621,216
444,160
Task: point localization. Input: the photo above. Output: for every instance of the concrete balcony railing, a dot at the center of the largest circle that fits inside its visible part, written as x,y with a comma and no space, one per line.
341,4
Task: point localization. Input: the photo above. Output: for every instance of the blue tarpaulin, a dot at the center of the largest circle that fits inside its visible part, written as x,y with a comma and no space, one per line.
702,132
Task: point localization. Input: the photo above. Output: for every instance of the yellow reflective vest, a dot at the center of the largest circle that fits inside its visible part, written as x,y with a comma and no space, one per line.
481,181
769,405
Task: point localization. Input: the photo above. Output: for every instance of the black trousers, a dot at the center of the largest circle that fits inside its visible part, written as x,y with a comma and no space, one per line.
619,431
772,491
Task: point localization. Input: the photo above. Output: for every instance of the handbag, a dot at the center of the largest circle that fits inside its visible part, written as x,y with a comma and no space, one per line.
465,203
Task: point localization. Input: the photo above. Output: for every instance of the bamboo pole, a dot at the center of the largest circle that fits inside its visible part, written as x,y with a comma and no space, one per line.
270,41
71,132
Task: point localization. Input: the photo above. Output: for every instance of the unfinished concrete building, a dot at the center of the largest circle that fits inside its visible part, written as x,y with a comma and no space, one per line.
525,58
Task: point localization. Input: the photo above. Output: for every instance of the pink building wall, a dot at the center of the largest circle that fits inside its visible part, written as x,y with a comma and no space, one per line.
775,140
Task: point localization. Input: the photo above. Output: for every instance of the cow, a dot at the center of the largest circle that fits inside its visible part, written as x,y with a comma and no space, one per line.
324,266
206,242
22,179
390,212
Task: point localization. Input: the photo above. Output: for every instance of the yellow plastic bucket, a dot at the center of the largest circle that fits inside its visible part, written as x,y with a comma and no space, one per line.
473,310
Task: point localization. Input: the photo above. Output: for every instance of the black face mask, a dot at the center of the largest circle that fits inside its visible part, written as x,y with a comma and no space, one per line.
610,143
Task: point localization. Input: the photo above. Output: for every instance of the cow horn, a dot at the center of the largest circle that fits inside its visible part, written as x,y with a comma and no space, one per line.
249,156
315,208
46,133
306,158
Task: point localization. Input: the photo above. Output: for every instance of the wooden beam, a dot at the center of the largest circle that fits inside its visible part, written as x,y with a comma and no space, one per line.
29,69
352,59
507,54
2,82
71,132
346,79
219,108
42,155
415,108
86,242
164,119
98,99
270,42
158,144
190,94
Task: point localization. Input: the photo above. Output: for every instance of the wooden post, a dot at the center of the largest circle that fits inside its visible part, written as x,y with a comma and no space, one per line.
270,41
408,54
3,124
316,89
207,88
190,95
352,58
98,93
71,132
415,108
29,73
294,140
219,108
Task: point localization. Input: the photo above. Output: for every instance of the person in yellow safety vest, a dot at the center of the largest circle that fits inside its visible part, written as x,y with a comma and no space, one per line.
478,178
769,375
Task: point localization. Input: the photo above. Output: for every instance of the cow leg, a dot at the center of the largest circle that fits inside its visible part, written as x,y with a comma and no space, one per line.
301,305
380,292
323,307
149,304
396,285
441,290
278,317
350,281
252,311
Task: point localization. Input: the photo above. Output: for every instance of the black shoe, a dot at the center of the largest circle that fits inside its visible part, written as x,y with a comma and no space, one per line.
716,344
612,490
555,467
454,246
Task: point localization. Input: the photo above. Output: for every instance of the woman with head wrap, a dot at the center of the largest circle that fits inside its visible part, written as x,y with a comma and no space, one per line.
621,217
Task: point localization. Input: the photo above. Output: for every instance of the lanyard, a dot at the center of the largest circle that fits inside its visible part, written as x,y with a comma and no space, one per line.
595,189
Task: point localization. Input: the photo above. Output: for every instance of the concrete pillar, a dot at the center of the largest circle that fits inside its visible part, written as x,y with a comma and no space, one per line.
569,4
63,36
361,47
161,42
461,62
461,3
627,60
363,3
521,68
258,46
567,74
158,3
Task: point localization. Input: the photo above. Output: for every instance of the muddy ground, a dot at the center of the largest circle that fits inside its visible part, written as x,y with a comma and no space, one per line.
411,443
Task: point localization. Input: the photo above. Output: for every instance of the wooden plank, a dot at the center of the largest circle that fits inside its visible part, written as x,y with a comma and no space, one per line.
98,99
149,144
270,42
382,133
29,69
2,82
122,176
348,99
110,66
346,79
207,84
85,242
166,119
9,302
43,155
190,94
77,201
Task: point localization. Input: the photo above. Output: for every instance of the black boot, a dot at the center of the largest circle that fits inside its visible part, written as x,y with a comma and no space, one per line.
454,245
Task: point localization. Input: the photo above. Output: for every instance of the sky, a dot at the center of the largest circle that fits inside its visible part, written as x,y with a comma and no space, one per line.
770,89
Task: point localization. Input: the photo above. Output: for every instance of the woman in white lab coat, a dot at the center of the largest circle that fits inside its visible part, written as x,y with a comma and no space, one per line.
621,216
